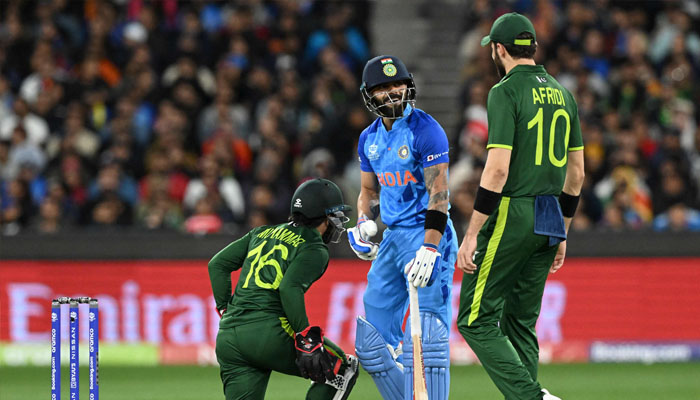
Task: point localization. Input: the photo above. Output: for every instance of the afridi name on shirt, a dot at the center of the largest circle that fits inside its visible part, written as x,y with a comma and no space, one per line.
548,95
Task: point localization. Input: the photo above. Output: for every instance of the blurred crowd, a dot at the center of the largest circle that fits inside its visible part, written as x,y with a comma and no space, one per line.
203,116
196,116
634,69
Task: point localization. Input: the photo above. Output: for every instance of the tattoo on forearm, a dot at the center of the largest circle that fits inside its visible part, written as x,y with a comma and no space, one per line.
439,201
430,174
436,185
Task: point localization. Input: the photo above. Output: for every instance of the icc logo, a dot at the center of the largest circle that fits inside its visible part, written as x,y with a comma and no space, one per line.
297,203
54,317
373,155
92,317
73,315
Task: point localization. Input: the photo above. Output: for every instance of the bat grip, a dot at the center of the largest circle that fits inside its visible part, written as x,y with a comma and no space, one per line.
414,310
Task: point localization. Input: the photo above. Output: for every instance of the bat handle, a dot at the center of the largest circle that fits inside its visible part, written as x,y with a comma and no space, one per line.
414,310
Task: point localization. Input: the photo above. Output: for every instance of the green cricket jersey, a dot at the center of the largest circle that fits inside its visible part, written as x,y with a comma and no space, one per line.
278,265
530,113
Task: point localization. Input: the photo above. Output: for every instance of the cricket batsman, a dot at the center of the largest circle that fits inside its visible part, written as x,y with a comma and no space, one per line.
404,161
264,326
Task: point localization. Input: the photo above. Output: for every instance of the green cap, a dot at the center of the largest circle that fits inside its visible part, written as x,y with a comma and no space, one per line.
507,27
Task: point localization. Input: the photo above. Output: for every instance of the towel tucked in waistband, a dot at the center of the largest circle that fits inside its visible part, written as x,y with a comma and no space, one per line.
549,220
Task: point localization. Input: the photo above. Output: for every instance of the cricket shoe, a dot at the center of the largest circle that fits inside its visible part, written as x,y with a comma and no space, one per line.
344,383
547,396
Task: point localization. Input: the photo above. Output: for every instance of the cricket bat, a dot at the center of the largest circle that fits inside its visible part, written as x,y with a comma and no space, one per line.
420,392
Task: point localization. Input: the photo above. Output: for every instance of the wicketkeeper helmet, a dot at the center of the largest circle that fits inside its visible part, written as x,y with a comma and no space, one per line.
317,198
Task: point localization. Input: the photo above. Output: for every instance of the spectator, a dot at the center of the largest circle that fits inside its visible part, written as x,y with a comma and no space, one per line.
49,220
223,193
340,34
16,208
223,110
23,152
204,219
37,130
113,182
158,209
109,211
161,176
678,218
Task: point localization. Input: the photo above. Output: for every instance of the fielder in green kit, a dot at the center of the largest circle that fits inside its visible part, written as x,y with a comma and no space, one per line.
264,326
528,194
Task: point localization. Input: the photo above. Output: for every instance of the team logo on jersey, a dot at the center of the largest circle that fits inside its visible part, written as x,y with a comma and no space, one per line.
373,154
389,69
403,152
297,203
396,178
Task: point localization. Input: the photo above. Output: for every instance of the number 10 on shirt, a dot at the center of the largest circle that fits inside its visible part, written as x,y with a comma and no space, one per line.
538,121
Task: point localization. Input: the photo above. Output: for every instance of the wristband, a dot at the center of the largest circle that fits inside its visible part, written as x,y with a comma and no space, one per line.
435,219
430,246
486,201
568,204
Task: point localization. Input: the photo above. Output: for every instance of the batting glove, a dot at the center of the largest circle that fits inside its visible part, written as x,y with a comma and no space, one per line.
419,271
359,236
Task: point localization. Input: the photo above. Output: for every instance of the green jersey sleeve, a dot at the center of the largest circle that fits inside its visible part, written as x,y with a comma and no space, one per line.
501,118
307,267
576,139
229,259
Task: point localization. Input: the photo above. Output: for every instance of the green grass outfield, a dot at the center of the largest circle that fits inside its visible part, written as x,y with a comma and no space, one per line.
570,381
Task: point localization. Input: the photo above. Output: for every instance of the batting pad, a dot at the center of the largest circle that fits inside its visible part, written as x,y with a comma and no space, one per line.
436,357
378,361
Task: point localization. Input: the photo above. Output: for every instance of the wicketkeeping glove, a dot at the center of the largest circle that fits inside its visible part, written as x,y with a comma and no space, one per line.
359,236
313,360
419,271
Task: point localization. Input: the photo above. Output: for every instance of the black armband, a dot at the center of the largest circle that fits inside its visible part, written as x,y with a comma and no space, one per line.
435,219
568,204
486,201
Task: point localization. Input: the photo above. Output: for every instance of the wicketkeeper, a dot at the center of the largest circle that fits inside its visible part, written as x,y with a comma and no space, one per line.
264,326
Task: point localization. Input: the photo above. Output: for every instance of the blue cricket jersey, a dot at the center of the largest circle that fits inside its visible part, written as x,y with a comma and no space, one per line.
397,158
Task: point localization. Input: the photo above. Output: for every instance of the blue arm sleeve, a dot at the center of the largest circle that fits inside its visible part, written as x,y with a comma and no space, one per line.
431,143
364,161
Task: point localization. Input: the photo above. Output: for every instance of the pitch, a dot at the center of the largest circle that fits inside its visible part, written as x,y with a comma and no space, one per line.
570,381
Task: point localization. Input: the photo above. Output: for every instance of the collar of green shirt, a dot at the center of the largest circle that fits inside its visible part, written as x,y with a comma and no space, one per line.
533,69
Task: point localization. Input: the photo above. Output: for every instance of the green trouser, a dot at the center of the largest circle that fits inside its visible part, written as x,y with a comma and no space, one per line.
247,354
500,303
